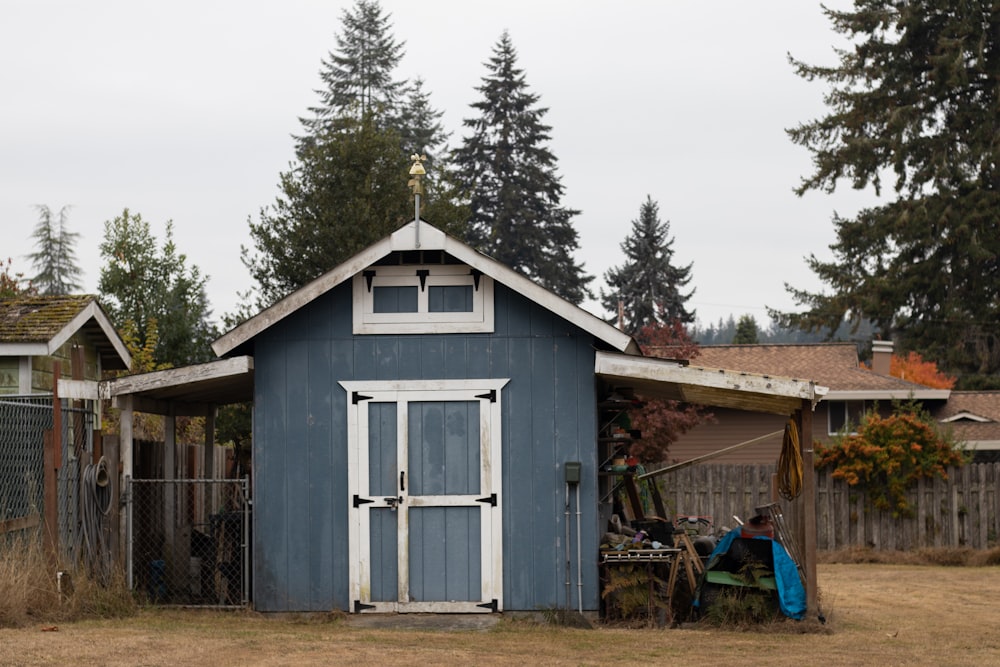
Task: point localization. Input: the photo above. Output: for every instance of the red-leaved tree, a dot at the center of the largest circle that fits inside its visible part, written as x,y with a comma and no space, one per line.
663,422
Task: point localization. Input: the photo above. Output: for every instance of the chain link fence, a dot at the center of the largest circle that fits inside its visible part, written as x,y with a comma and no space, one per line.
81,515
189,541
23,422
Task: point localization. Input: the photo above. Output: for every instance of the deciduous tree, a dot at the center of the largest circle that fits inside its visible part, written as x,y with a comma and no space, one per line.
143,282
663,422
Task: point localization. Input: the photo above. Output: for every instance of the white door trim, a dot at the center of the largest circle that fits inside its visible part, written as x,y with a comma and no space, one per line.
402,392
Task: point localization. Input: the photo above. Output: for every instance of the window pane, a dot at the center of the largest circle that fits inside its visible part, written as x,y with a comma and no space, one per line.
838,416
394,300
450,299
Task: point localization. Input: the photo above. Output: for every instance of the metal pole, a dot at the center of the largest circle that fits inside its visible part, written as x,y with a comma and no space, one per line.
128,532
579,555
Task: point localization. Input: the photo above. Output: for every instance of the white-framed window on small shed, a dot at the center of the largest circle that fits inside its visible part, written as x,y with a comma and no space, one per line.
843,415
422,299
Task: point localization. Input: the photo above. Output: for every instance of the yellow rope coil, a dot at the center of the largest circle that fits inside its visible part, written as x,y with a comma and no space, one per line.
790,464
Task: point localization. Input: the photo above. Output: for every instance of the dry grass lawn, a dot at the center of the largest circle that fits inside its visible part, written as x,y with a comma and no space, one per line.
877,614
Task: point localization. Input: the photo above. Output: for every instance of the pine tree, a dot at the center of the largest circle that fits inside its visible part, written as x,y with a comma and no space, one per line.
648,284
359,76
508,173
55,257
746,331
347,191
347,186
915,97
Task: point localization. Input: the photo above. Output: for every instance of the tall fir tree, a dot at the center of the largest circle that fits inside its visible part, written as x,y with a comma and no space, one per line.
915,99
648,286
55,256
346,188
347,191
747,332
508,174
359,76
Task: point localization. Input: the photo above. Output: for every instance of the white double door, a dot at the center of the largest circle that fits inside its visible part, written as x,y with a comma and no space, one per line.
423,483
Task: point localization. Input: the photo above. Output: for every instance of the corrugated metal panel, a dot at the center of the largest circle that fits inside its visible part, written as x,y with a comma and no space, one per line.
300,443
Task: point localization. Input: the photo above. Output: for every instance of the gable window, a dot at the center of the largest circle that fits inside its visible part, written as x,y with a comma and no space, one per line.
422,299
843,415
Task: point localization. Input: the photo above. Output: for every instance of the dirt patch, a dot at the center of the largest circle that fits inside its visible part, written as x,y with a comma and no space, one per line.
877,614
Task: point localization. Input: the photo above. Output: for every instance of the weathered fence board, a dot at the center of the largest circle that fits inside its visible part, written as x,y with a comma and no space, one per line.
963,510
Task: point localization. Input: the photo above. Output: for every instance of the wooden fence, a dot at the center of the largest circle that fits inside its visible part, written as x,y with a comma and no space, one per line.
962,511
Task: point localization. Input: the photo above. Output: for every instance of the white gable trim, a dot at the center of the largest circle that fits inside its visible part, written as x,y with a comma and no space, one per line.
971,416
423,236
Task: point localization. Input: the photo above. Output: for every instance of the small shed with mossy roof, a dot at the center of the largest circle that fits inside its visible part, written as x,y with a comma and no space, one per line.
38,330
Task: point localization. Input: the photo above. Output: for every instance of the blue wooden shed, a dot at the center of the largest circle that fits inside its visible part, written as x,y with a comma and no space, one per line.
415,409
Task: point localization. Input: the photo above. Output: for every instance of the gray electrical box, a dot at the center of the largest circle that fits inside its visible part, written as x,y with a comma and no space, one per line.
572,472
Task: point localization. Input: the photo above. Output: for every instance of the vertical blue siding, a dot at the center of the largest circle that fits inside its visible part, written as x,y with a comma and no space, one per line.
300,450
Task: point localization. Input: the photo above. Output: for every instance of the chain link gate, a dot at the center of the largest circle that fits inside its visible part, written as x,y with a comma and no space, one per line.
188,541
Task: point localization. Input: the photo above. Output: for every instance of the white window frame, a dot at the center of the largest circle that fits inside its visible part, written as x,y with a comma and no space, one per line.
367,321
844,407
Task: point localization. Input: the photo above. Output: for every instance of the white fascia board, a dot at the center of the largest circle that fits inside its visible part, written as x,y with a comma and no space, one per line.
79,390
134,384
300,297
424,236
982,445
515,281
23,349
662,370
966,415
887,395
92,310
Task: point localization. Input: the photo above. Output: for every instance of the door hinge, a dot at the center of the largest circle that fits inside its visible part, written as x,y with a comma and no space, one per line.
359,606
492,395
491,499
492,605
357,398
359,501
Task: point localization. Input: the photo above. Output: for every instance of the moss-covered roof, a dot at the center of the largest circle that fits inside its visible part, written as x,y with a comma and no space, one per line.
38,325
40,318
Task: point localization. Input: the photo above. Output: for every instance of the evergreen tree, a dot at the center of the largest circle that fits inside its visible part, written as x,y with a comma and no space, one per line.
346,188
648,283
54,257
746,331
151,292
347,191
359,76
509,176
916,97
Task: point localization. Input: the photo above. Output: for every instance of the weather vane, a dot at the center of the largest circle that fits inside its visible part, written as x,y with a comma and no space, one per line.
417,171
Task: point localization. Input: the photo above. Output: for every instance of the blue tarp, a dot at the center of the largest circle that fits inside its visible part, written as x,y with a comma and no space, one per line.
791,593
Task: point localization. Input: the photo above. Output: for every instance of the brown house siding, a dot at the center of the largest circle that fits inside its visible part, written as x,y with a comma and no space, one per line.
731,427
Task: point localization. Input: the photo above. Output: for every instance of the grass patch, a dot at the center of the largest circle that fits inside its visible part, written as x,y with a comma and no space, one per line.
941,556
29,592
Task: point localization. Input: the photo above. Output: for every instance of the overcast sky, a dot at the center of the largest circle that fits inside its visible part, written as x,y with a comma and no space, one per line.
184,111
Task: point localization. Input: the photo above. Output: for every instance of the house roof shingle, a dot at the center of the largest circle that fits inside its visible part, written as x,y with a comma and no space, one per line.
832,365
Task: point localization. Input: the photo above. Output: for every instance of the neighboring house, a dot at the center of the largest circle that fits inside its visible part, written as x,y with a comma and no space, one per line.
974,419
421,416
852,390
38,331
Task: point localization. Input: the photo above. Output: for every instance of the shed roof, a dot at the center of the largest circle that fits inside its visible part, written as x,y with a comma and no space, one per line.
672,380
38,325
421,235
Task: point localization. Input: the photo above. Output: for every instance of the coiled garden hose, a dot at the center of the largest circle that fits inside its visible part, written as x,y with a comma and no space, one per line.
790,464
